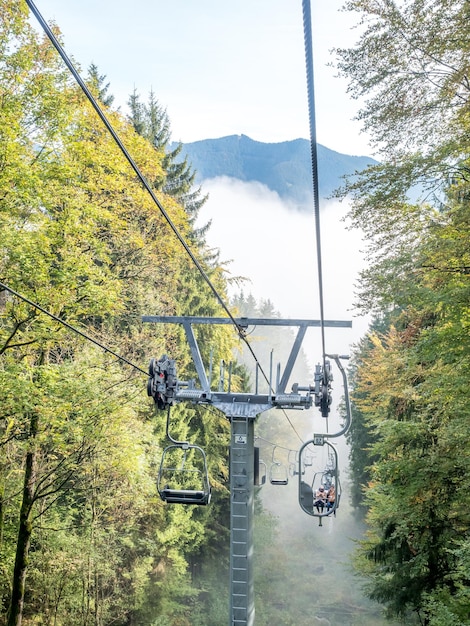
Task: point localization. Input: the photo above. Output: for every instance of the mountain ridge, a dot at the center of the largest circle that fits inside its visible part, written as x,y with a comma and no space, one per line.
284,167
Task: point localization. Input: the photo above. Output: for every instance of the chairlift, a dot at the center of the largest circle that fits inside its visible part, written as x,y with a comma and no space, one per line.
179,481
328,476
278,474
183,476
320,481
308,459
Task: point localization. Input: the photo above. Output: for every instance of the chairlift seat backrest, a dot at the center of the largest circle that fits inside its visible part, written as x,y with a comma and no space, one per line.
306,495
259,475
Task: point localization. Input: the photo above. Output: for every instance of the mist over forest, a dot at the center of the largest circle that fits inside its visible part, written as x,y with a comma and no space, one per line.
305,571
272,247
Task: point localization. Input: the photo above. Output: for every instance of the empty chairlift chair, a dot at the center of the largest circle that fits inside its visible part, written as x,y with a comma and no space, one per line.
278,474
183,476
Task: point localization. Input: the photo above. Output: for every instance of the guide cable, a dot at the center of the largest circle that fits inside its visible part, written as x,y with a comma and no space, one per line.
72,328
143,180
130,160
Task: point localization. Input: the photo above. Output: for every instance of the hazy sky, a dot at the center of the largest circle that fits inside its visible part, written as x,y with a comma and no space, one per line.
274,247
219,67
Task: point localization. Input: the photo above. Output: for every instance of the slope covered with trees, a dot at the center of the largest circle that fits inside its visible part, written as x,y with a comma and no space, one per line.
410,443
284,167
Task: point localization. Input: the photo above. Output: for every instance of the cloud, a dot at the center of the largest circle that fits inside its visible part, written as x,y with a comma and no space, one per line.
275,246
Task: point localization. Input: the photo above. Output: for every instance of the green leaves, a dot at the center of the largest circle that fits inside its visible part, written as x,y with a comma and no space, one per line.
411,443
79,442
410,64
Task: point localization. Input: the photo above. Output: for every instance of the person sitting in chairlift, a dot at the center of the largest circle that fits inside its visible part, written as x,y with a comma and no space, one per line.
330,498
320,499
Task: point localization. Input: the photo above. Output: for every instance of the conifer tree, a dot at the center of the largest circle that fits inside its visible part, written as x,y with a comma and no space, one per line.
151,120
98,85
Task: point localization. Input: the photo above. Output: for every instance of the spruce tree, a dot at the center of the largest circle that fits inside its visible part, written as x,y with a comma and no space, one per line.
96,82
151,121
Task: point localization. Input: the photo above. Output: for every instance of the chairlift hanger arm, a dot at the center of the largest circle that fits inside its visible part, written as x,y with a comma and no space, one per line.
347,403
184,445
201,372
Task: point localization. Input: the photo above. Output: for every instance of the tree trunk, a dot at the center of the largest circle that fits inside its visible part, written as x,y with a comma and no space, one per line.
15,613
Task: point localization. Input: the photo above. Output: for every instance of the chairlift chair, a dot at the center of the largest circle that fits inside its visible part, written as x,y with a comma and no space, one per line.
308,459
330,474
293,470
324,477
278,474
183,477
179,480
294,466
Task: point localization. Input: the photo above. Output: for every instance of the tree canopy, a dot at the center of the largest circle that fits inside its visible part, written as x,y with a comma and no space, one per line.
410,445
84,537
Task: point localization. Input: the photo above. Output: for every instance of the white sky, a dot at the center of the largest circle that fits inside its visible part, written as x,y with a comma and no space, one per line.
219,67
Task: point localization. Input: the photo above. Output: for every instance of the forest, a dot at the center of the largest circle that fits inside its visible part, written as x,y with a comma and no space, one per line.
84,537
410,377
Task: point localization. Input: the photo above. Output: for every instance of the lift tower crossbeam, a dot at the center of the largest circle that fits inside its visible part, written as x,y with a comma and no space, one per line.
242,409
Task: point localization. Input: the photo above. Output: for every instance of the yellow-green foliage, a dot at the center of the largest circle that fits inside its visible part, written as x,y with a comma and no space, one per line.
79,438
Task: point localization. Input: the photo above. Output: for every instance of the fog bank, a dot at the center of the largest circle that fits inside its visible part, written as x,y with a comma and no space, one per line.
274,246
